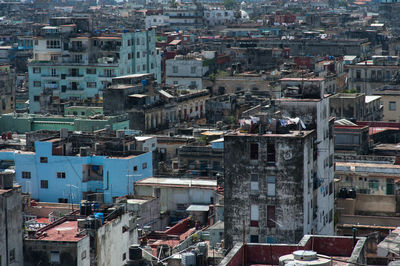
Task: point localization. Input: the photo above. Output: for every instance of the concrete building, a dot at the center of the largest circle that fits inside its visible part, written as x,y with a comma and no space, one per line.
156,21
187,71
11,230
390,102
71,64
7,89
22,123
78,239
268,186
356,106
202,160
100,167
177,194
370,75
188,16
214,17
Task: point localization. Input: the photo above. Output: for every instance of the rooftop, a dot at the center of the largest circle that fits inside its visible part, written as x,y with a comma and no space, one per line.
65,231
177,182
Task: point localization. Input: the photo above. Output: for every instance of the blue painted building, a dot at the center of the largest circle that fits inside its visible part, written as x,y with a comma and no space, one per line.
57,178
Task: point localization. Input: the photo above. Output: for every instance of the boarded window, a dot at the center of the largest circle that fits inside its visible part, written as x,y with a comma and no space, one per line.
254,151
271,153
270,216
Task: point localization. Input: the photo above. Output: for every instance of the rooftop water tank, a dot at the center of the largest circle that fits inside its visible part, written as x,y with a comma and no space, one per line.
303,258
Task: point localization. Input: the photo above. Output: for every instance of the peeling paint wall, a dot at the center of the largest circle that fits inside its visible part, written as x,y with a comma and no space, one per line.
291,169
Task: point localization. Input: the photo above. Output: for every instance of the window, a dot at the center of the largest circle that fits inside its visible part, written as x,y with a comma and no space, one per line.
60,174
254,182
26,175
83,255
124,257
193,70
358,74
44,184
91,71
54,257
54,57
37,84
77,58
53,44
144,165
37,70
254,215
109,73
144,54
36,98
137,41
62,200
138,68
91,84
12,255
253,238
271,152
43,159
135,168
330,187
253,151
152,66
392,106
144,67
137,54
36,42
270,216
53,72
271,186
175,69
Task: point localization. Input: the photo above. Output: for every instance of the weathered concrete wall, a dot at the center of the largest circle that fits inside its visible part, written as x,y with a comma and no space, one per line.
289,188
113,240
370,220
11,227
365,203
37,252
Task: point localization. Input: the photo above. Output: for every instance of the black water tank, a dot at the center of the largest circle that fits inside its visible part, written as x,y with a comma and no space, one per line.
135,253
352,193
343,193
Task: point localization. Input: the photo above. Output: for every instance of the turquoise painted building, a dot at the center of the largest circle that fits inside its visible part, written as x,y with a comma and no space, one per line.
67,66
56,178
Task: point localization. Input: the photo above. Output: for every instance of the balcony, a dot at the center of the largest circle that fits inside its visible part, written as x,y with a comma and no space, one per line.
50,76
77,49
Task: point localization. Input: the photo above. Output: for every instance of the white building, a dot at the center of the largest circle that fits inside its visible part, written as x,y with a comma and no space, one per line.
156,21
187,71
213,17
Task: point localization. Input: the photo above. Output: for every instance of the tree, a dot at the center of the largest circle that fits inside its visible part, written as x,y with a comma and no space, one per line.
229,4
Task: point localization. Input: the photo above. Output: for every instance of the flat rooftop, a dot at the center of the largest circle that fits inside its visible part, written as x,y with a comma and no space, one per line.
63,232
291,134
177,182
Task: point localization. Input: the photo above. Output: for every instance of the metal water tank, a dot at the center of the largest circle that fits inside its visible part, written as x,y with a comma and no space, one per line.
304,258
6,180
188,259
135,253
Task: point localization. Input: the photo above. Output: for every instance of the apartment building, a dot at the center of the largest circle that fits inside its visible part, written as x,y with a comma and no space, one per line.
100,166
7,89
370,75
72,63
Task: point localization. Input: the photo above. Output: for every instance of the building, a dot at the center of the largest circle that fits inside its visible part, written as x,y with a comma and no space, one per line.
7,89
72,64
177,194
94,236
268,187
150,107
370,75
390,102
11,230
100,167
188,16
356,106
188,71
202,160
22,123
214,17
